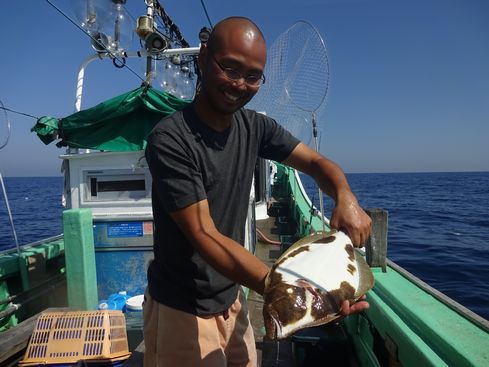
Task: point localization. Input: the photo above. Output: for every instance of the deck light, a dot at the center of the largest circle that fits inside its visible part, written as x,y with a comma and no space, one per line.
117,26
154,42
108,22
86,15
204,34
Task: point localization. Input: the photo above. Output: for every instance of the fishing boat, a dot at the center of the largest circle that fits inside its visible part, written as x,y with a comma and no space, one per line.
106,243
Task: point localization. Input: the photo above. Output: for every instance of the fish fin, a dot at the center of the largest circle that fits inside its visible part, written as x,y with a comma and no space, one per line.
322,321
326,320
307,240
366,278
270,326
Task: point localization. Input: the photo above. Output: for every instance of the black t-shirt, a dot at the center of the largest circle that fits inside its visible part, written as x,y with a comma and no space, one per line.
190,162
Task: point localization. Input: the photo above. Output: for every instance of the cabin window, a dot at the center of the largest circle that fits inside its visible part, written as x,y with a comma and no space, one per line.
115,185
97,186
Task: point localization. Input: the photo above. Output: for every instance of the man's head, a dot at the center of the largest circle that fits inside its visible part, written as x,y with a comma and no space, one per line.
232,65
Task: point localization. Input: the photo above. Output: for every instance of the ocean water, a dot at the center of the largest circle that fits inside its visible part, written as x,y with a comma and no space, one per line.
438,227
438,223
35,204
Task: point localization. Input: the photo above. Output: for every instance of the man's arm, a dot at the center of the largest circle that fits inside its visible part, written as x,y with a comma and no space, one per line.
347,214
225,255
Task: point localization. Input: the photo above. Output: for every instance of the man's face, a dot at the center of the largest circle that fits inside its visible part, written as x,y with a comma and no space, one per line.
232,74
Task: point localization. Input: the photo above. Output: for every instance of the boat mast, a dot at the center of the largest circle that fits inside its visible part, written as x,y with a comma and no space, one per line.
153,41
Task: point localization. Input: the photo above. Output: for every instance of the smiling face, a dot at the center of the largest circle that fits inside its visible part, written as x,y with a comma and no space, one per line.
238,46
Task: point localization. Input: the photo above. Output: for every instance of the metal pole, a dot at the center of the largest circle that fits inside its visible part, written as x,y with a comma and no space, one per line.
316,144
10,215
89,59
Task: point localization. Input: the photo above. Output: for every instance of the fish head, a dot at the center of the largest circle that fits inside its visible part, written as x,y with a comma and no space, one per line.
289,308
284,305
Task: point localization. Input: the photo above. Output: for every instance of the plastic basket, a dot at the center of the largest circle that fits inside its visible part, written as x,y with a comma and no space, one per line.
62,338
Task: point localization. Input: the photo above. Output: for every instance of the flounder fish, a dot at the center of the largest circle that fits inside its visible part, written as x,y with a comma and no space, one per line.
308,283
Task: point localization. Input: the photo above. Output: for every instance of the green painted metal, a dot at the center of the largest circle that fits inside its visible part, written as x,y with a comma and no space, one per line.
81,275
9,263
7,322
415,327
23,261
360,335
406,346
456,340
293,191
14,270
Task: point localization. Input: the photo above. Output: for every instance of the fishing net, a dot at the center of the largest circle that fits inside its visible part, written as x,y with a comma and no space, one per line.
297,84
4,126
297,74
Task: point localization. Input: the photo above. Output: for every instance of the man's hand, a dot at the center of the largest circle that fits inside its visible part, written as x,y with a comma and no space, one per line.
347,214
350,217
357,307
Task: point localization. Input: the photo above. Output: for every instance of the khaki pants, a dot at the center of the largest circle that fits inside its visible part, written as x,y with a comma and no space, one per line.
175,338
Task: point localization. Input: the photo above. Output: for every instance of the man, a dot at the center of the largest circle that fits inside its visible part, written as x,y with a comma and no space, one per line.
202,161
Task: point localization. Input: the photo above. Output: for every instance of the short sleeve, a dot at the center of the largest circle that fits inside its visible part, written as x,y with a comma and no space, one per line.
276,142
177,180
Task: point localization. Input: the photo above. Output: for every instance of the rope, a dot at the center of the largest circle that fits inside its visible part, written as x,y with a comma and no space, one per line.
17,112
206,13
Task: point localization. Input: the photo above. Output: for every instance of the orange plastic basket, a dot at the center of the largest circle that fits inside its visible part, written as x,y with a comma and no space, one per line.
72,336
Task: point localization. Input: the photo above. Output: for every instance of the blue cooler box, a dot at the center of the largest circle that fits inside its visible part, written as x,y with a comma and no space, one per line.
123,251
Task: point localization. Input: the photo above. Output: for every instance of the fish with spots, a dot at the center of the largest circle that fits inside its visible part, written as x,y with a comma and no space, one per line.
308,283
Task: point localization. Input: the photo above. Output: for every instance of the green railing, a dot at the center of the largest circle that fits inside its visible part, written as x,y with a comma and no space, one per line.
408,323
28,272
288,187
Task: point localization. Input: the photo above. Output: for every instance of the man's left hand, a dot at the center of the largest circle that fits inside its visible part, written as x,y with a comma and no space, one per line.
357,307
350,217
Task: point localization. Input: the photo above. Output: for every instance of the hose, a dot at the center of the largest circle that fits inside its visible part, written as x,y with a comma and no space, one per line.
265,239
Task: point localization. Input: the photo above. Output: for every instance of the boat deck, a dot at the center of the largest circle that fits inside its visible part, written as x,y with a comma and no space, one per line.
270,353
313,347
321,346
327,346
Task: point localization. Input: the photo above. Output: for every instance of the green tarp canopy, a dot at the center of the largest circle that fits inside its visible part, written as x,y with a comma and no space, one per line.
118,124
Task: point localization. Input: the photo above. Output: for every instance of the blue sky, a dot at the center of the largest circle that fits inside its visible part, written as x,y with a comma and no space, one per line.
409,80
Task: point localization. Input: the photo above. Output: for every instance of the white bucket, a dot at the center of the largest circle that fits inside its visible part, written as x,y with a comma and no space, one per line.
135,303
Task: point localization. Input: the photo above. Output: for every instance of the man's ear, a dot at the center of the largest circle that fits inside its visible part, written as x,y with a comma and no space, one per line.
202,56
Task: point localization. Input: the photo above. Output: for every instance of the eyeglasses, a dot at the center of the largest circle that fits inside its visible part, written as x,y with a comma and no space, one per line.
234,75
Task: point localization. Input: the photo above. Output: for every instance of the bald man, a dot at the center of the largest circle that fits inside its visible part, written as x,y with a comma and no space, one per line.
202,162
